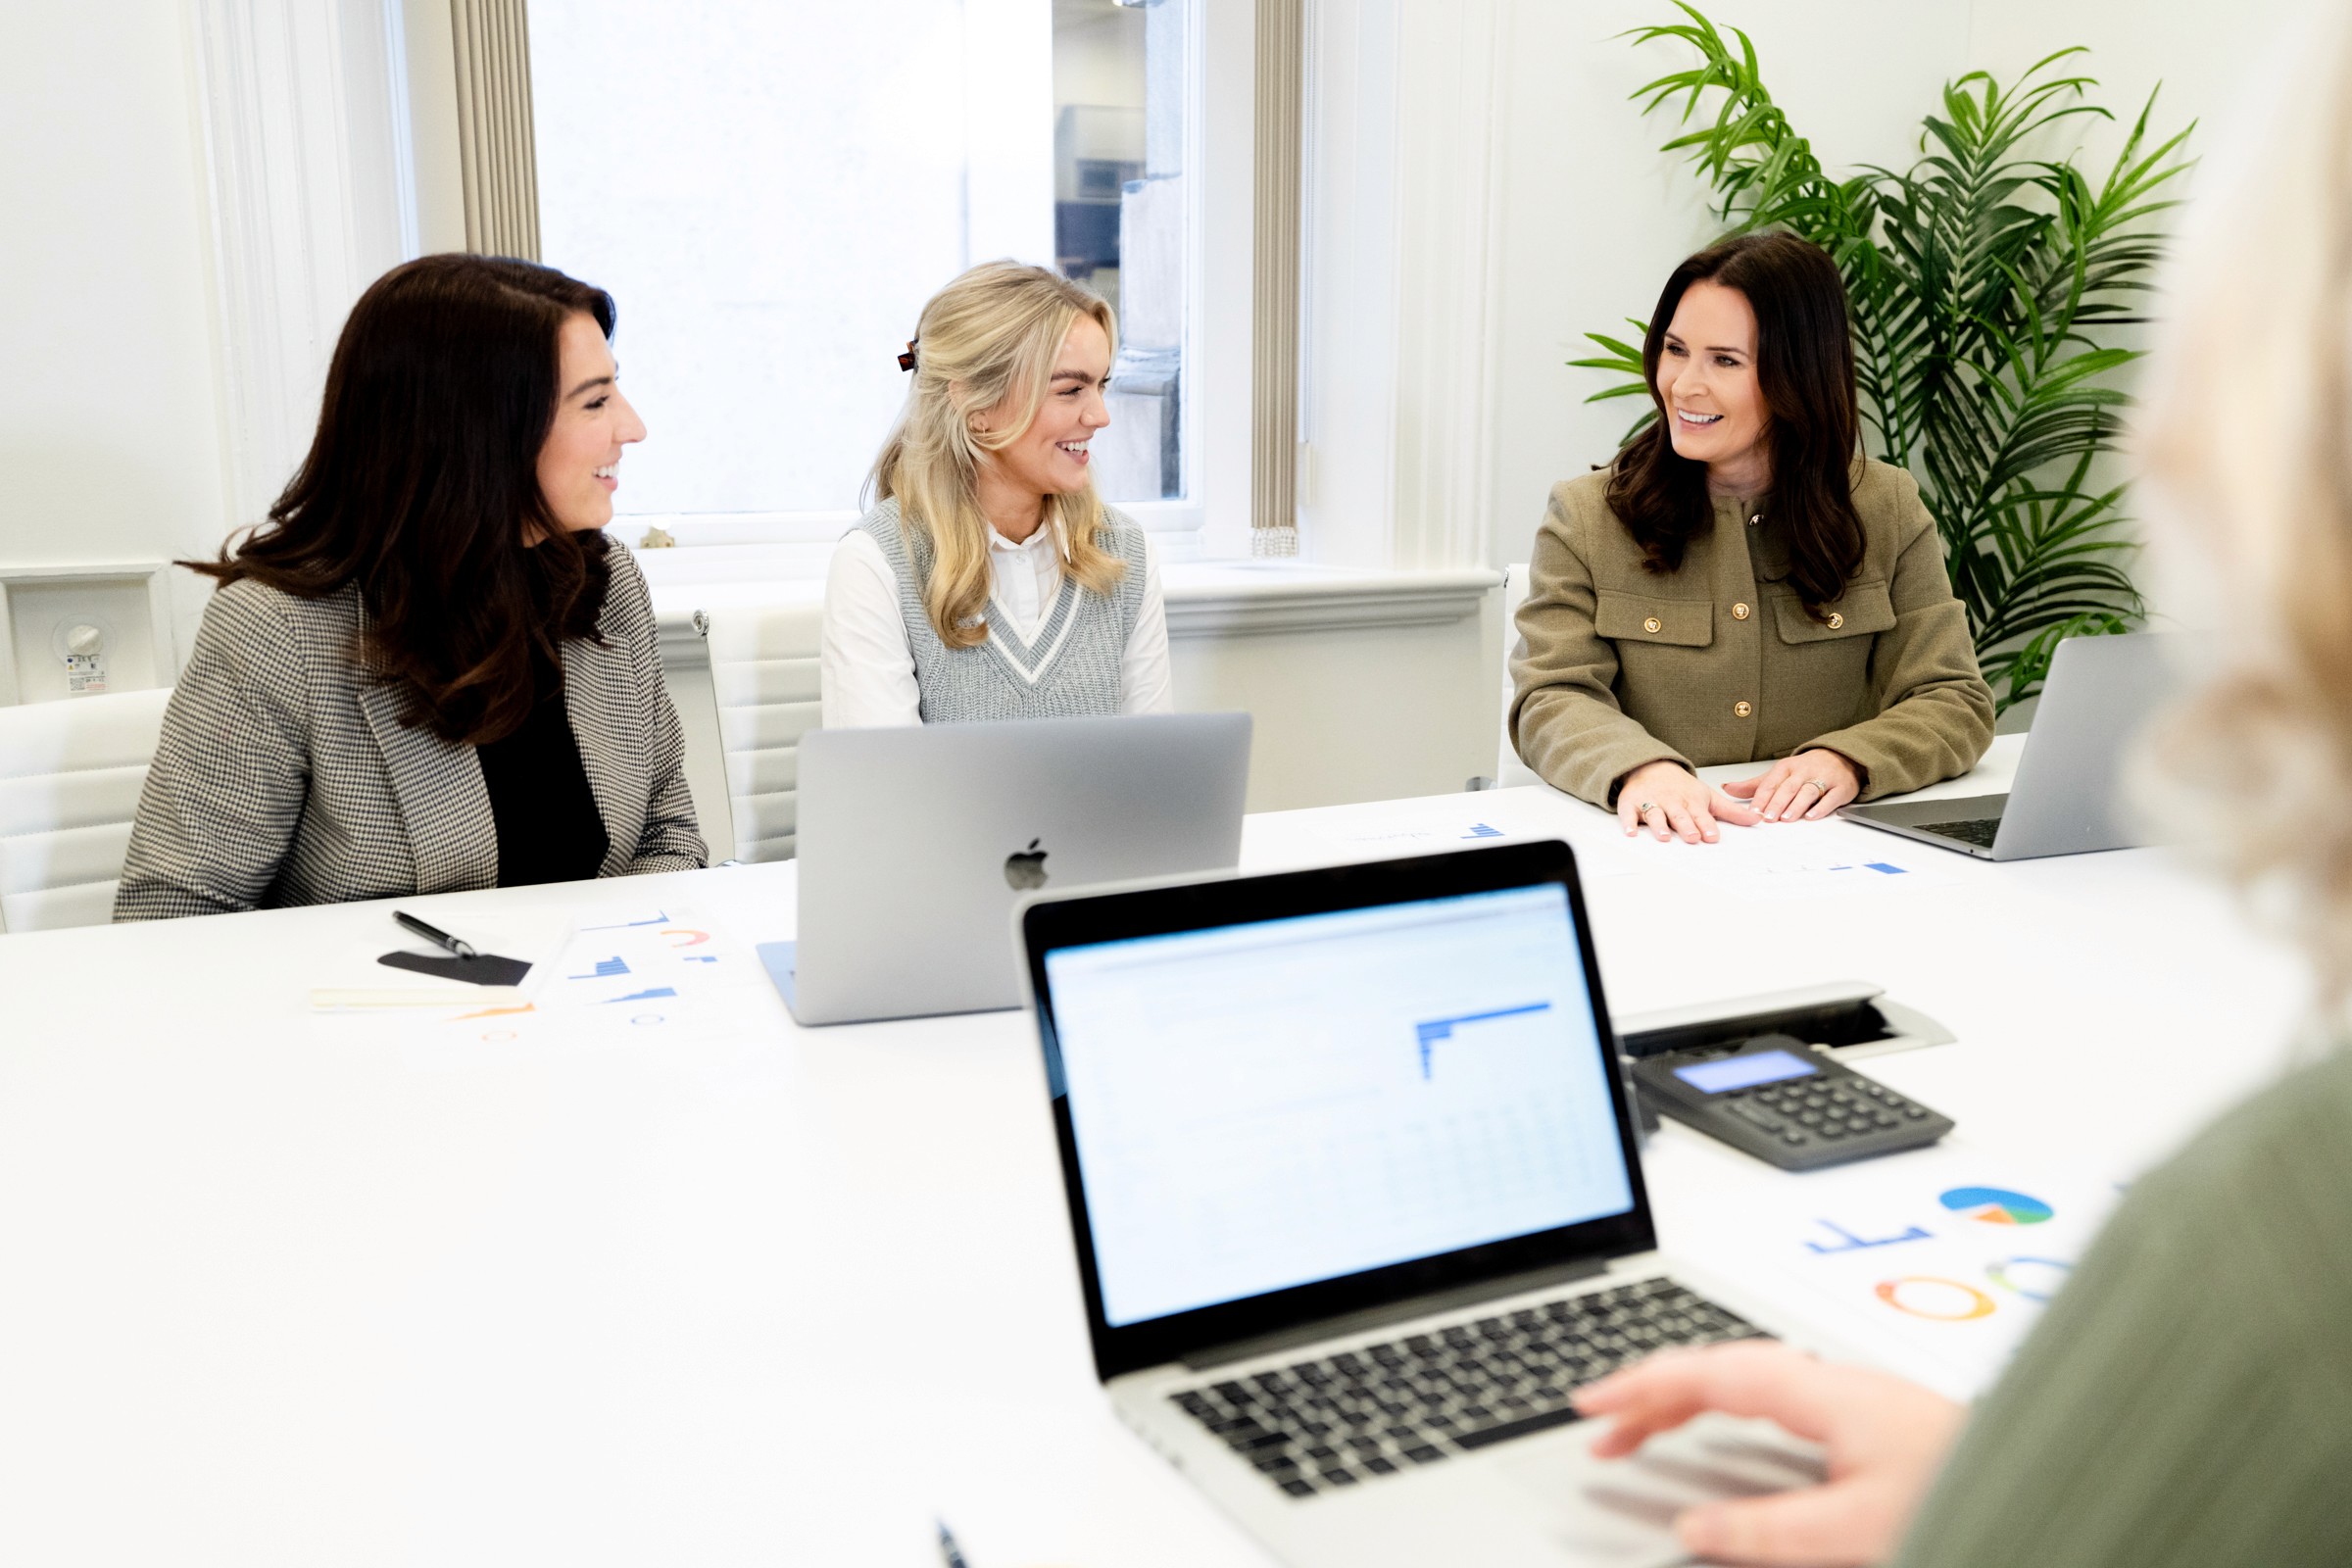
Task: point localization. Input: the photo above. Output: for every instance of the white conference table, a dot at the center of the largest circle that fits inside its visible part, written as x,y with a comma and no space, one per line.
283,1289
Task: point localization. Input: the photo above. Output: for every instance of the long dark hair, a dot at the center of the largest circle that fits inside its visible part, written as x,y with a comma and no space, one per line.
421,486
1805,368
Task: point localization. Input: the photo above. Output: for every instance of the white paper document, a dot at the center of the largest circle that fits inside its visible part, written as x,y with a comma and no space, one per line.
1934,1263
646,973
1777,861
1452,822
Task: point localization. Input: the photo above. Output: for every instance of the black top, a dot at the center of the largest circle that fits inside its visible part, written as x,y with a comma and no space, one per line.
548,826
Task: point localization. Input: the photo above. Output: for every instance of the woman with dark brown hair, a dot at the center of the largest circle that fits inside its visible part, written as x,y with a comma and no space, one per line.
1740,584
429,670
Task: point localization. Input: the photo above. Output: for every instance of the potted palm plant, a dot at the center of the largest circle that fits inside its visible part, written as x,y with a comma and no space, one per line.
1987,286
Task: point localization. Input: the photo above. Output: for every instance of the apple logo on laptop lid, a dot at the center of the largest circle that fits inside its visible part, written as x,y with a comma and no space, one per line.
1026,869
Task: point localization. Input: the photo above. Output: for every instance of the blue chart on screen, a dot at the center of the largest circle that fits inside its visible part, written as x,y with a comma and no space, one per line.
1263,1106
1480,830
1438,1029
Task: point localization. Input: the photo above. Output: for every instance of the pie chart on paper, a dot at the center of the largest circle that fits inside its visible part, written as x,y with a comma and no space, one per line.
1996,1206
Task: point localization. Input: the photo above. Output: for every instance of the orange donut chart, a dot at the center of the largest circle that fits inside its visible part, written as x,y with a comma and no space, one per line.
692,939
1948,1301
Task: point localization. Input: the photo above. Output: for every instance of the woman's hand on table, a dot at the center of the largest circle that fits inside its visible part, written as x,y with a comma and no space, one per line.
1806,787
1885,1440
1666,798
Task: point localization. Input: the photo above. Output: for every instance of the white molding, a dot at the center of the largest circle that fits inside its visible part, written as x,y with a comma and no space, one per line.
302,139
1236,599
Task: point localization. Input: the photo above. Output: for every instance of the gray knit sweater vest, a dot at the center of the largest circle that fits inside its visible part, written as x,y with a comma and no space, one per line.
1071,671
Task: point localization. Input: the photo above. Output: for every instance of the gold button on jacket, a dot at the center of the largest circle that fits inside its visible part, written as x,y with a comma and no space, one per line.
1617,667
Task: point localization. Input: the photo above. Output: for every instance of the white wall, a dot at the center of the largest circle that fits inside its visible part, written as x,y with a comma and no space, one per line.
1099,54
1354,713
110,425
1593,216
1530,205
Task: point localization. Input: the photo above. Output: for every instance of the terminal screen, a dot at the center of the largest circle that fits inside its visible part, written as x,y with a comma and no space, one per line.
1744,1072
1265,1105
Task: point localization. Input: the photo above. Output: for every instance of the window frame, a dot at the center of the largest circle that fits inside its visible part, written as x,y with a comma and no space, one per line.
1212,519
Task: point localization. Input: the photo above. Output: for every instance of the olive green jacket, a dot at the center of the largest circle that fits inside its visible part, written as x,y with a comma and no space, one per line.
1618,666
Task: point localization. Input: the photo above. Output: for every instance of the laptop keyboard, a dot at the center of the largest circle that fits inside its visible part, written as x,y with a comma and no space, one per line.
1979,832
1349,1418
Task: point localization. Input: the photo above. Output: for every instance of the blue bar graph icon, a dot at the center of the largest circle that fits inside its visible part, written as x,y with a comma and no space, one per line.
658,917
1438,1029
605,969
1480,830
1847,1242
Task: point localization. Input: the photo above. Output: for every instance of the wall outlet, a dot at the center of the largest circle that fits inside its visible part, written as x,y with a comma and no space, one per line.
79,632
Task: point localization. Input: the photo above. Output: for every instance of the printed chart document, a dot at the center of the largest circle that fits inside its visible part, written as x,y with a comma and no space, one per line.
1934,1263
619,972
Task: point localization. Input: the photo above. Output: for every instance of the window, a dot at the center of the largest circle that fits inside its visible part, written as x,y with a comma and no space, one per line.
1120,220
771,189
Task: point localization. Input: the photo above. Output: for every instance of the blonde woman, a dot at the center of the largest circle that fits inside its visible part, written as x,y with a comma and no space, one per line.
2187,1400
990,581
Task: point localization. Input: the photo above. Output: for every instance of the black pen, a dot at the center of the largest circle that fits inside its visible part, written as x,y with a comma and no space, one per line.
436,936
949,1553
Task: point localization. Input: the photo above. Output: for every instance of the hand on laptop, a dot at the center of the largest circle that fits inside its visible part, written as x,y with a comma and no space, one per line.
1666,798
1885,1438
1806,787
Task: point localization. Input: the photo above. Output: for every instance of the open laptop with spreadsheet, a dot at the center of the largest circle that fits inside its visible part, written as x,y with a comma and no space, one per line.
1357,1203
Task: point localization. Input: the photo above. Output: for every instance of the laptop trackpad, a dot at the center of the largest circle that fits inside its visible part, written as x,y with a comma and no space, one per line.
1621,1512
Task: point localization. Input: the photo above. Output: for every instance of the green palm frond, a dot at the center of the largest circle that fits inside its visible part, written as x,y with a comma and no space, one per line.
1981,280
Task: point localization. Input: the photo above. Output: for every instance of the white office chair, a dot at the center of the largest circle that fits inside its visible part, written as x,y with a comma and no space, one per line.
686,673
764,662
1509,770
70,777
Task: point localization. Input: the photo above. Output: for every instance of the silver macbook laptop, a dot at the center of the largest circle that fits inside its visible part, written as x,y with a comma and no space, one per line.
2062,800
914,844
1358,1207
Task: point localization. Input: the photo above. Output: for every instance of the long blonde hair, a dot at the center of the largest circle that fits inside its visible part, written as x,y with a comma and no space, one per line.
987,339
2248,437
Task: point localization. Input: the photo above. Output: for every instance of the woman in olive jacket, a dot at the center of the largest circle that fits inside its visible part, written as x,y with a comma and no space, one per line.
1739,585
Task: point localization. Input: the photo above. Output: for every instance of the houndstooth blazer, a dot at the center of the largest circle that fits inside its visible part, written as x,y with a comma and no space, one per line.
285,777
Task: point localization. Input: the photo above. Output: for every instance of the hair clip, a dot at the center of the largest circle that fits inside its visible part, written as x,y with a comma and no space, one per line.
907,360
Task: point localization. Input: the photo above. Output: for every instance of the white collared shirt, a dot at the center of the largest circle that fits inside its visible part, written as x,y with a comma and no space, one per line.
866,671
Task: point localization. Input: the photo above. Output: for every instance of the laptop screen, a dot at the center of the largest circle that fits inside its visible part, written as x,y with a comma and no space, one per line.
1263,1105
